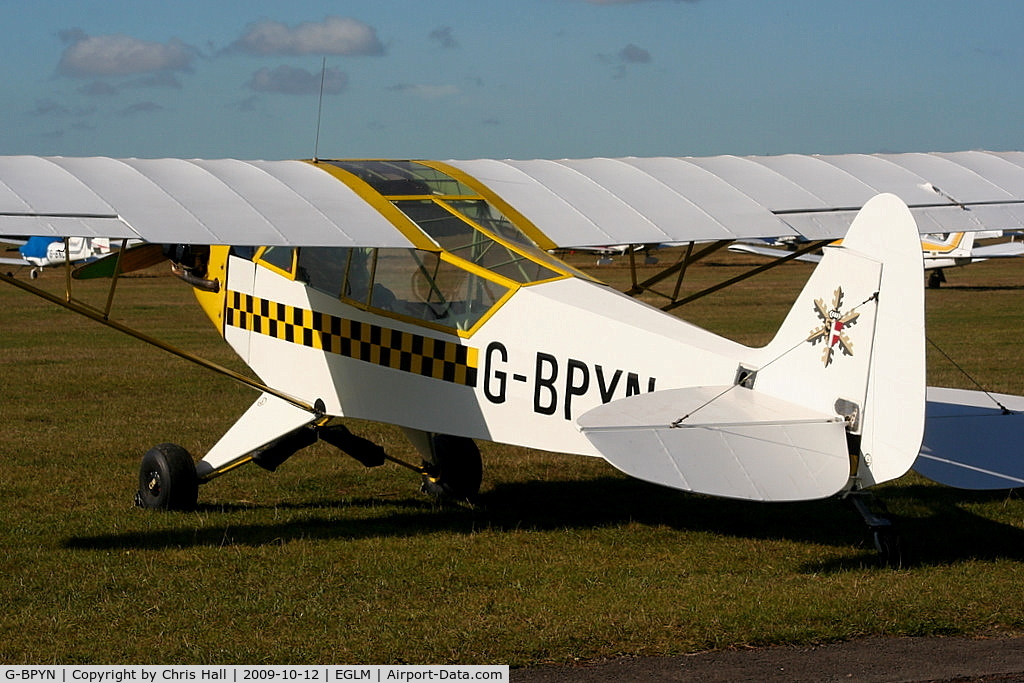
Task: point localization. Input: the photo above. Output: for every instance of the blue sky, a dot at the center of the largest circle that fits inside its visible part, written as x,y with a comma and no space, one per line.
510,78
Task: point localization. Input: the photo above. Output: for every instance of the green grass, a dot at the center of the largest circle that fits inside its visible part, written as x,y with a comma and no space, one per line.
563,559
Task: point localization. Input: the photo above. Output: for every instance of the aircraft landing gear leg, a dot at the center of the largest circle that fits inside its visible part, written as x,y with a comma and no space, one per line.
452,465
167,479
883,532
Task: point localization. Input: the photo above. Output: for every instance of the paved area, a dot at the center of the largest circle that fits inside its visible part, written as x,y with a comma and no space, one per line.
878,659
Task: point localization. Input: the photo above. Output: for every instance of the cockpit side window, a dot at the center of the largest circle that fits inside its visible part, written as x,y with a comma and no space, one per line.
248,253
469,257
486,216
410,283
492,220
323,268
281,258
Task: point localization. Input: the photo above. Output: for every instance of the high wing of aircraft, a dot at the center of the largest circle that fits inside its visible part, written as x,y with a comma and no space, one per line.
940,251
423,294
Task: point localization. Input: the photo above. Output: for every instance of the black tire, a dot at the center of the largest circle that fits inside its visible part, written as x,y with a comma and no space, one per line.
167,479
887,543
457,469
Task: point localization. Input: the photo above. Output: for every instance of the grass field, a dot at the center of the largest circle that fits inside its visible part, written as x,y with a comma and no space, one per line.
563,558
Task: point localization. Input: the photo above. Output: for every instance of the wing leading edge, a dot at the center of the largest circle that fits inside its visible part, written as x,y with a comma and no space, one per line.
223,201
573,202
593,202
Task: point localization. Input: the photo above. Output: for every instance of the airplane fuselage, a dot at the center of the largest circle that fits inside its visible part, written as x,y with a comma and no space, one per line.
47,251
512,380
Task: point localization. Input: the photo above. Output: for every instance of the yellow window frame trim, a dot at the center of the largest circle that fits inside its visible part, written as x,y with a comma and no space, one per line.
381,203
551,263
524,225
519,220
510,287
385,206
258,259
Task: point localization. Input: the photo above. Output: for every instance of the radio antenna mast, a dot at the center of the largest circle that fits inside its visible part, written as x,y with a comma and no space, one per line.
319,111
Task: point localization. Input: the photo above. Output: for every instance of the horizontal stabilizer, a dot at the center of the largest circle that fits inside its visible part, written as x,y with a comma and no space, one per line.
731,442
971,442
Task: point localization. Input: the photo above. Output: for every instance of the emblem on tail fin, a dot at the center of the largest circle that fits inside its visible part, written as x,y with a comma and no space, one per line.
832,330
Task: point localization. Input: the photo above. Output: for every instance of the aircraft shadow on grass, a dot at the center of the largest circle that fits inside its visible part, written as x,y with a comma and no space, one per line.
941,530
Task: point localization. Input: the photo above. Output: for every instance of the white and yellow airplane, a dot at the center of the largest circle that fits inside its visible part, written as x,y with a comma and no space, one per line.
952,250
422,294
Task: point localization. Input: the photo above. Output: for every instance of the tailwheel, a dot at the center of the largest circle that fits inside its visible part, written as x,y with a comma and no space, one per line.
883,532
167,479
455,469
887,543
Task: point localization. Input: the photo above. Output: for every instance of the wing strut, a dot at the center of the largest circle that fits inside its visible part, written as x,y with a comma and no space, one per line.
102,317
679,269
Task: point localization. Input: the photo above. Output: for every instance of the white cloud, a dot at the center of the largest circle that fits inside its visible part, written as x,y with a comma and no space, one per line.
290,80
120,55
332,36
427,92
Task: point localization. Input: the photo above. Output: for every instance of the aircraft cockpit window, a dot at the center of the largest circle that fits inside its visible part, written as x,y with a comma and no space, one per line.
422,285
404,178
480,255
460,238
410,283
486,216
457,218
248,253
323,269
280,258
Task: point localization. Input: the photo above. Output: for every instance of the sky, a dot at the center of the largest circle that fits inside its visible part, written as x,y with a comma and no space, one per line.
458,79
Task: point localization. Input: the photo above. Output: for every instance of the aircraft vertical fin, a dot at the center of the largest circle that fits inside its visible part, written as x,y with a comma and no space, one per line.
853,344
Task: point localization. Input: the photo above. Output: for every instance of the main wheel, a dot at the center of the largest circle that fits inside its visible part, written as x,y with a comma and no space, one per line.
456,470
167,479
